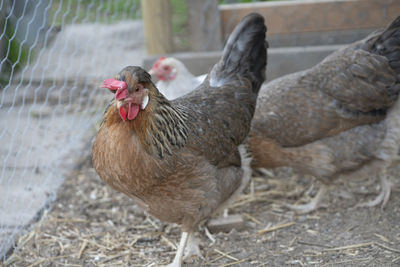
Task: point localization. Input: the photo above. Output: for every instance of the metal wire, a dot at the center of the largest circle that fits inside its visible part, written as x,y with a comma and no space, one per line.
48,105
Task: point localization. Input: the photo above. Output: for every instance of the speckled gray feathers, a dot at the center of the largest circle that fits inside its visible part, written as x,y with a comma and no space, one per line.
337,117
351,87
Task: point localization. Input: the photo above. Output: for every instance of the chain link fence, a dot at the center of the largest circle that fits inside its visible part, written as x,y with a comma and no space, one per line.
53,56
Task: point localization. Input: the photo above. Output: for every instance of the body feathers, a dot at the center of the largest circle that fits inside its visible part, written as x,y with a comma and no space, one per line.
336,117
179,159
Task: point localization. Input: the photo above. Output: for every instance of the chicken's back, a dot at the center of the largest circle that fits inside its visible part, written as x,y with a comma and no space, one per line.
221,108
354,86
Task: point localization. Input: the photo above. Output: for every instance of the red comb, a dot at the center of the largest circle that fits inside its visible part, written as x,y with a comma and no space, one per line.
157,63
113,84
121,93
120,87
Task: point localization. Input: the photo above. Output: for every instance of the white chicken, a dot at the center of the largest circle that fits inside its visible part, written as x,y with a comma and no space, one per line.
175,79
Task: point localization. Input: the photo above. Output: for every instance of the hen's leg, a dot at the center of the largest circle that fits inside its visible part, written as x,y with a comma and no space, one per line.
192,247
252,188
312,205
225,213
383,196
209,235
177,262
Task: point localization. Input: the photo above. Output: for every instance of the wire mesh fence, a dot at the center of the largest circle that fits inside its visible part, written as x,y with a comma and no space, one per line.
53,55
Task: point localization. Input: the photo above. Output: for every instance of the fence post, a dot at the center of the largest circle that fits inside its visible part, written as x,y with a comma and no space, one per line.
157,26
204,25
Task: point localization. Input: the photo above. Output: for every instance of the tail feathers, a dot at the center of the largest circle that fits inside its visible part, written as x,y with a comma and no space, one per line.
245,53
387,44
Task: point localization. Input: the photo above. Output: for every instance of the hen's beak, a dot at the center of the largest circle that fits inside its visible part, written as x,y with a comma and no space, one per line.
141,101
152,72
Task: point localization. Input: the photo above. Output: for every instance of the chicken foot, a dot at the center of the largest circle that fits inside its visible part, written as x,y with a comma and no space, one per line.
177,262
192,247
209,235
314,204
188,247
384,195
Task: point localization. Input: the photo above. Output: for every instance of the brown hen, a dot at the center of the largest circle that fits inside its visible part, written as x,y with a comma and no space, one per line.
183,160
341,117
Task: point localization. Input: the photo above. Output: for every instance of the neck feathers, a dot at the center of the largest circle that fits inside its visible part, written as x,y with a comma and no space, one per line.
160,128
166,127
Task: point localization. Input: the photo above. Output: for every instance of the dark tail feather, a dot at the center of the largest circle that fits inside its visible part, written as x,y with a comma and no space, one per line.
245,53
387,44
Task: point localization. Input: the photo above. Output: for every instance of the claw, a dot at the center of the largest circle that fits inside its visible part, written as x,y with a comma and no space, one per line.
209,235
383,196
314,204
192,248
177,262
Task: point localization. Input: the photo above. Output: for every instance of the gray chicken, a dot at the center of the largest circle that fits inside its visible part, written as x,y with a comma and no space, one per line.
340,117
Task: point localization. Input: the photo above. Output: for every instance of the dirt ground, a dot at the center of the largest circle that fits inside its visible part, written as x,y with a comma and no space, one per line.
92,225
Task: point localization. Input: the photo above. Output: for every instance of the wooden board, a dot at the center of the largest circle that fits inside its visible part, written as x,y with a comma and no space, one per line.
286,17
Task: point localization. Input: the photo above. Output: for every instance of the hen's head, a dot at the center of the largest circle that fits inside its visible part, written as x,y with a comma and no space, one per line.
131,91
166,68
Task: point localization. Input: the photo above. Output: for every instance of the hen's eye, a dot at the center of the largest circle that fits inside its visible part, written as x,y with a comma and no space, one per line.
137,89
166,68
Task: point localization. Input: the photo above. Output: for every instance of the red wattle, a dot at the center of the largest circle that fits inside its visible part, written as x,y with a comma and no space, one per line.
133,111
161,78
122,112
